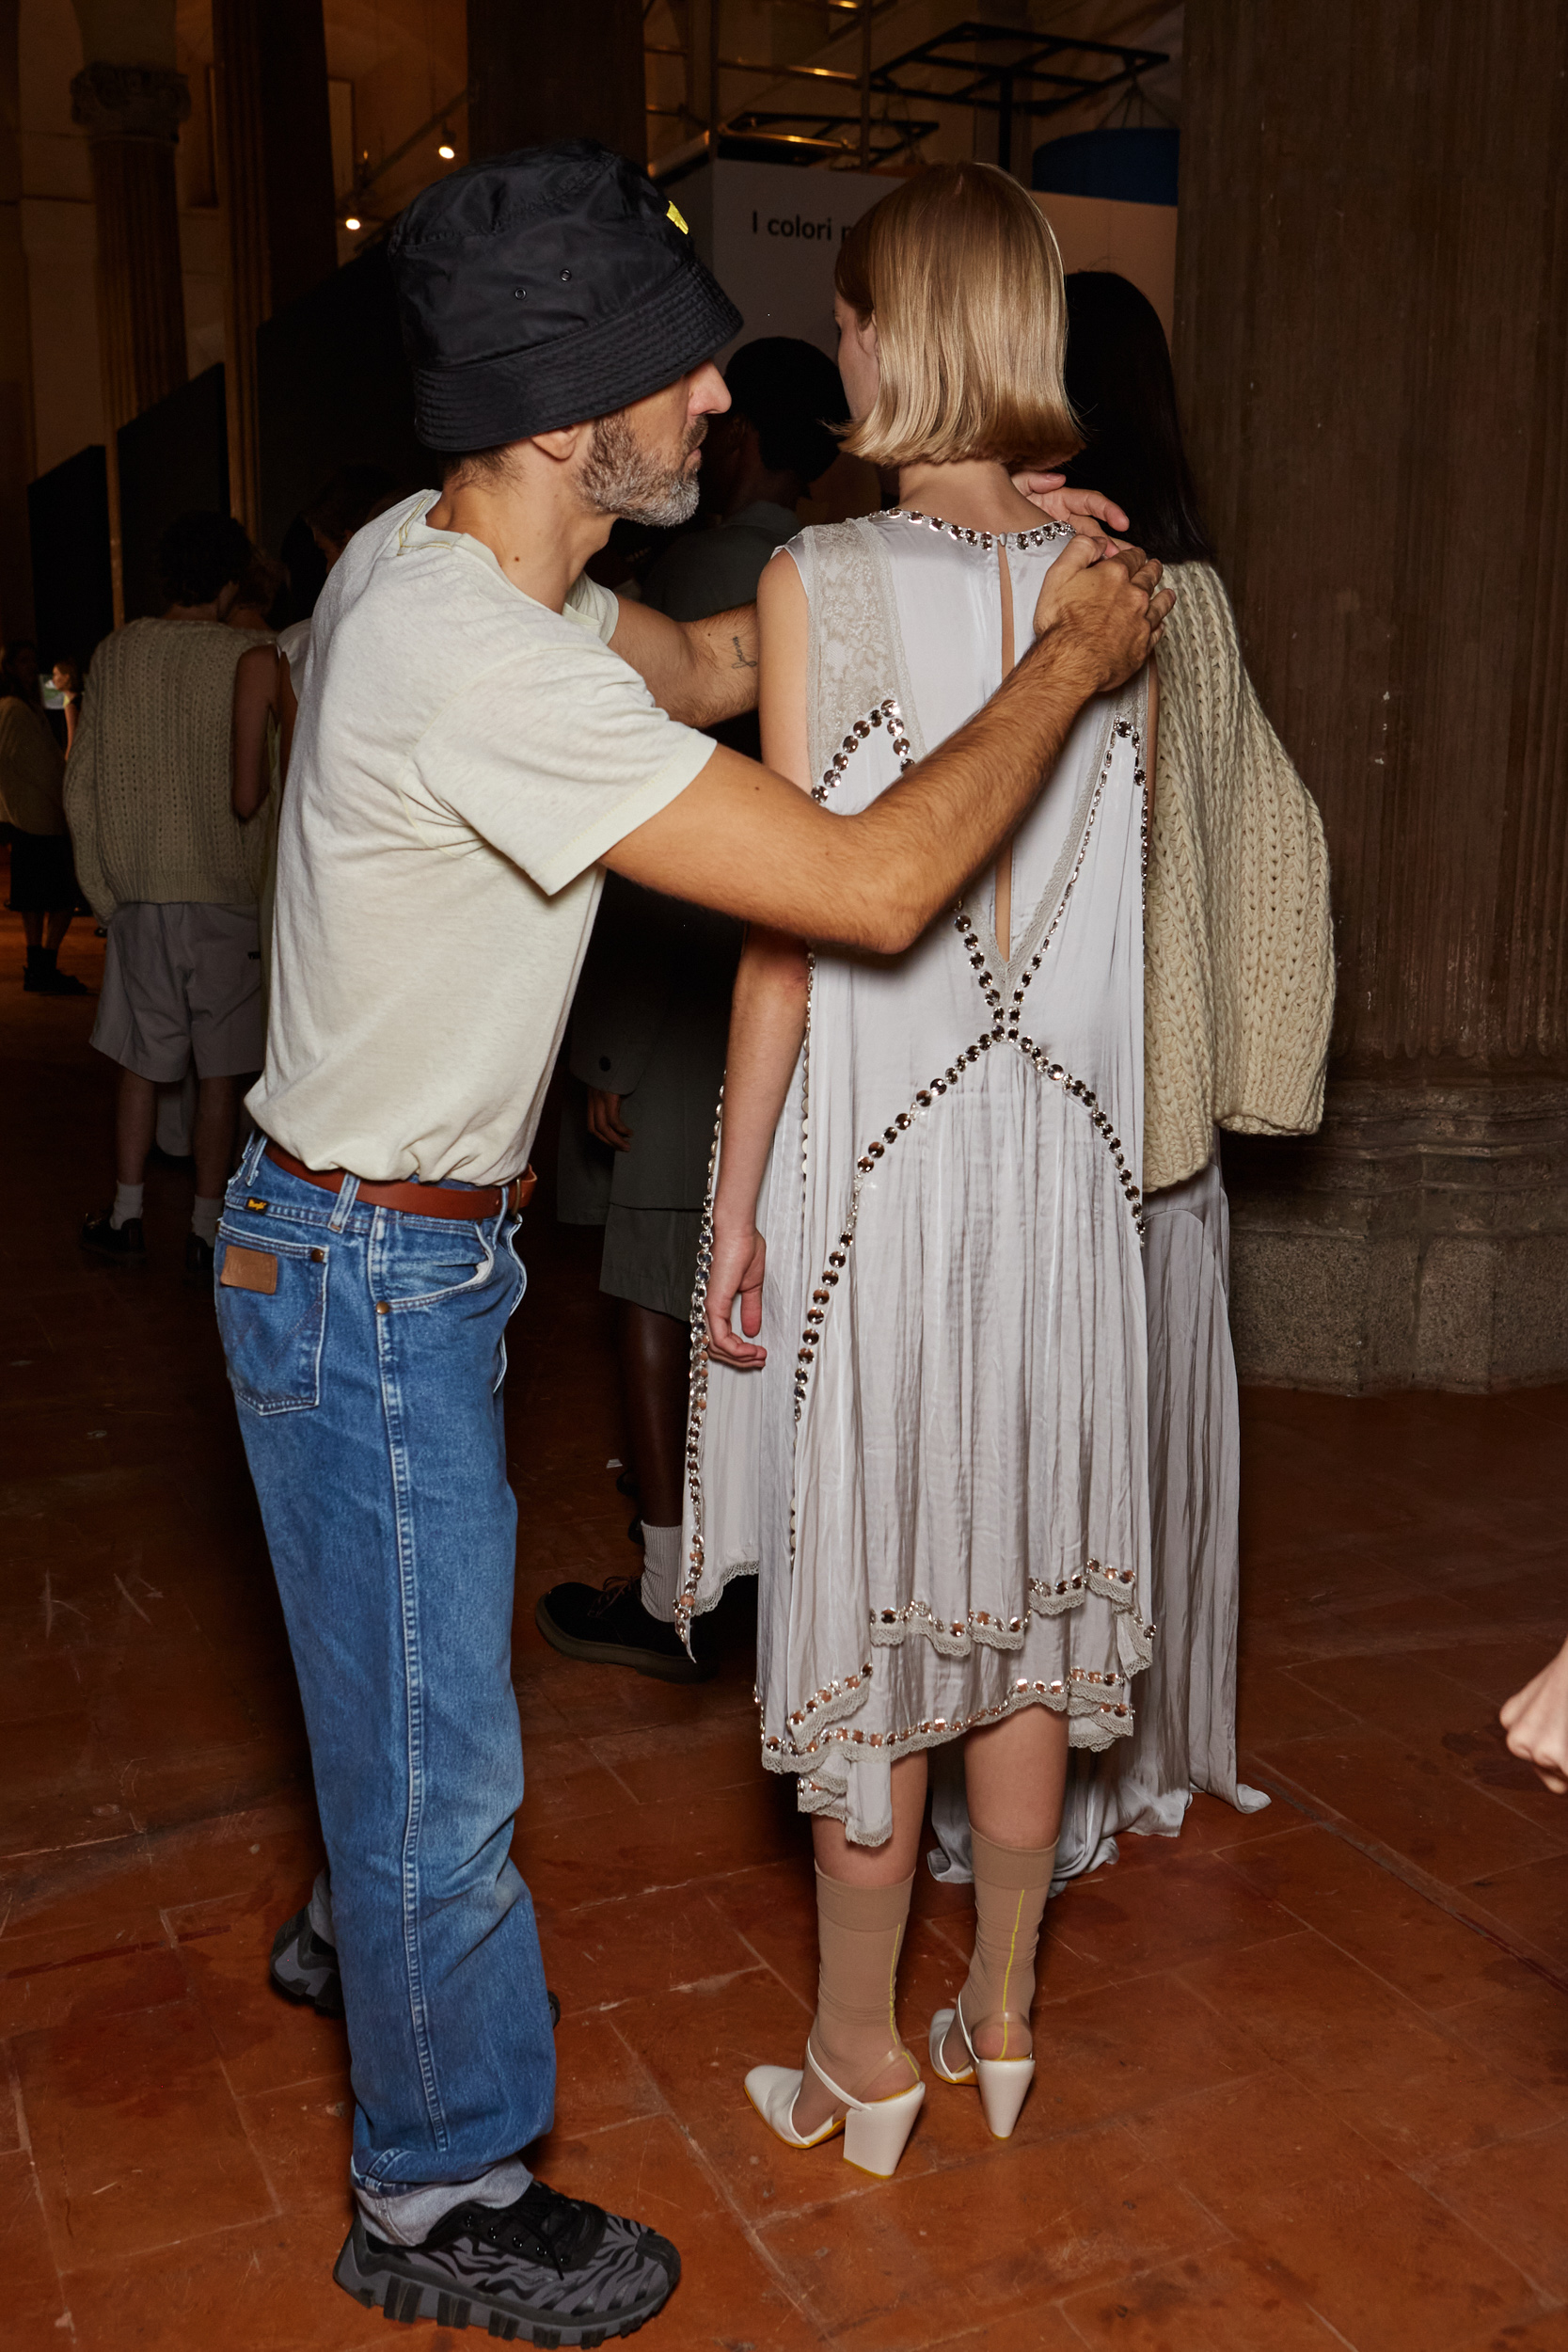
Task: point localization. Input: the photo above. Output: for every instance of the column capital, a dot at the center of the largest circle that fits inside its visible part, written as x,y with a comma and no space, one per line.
130,101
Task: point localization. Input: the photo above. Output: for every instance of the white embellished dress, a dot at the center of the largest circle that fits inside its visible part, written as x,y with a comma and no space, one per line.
940,1473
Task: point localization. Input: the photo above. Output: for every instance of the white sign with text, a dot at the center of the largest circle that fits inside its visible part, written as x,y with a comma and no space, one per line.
769,233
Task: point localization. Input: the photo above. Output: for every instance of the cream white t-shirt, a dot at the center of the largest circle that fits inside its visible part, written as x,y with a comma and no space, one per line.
463,757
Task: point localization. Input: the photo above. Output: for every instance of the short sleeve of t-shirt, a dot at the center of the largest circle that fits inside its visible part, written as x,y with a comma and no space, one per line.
555,756
595,607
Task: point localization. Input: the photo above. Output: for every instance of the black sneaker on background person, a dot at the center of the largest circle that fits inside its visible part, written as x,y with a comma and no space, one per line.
304,1968
547,2269
607,1626
125,1244
199,1262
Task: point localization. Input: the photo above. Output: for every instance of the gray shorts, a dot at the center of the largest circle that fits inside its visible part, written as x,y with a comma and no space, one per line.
183,982
650,1258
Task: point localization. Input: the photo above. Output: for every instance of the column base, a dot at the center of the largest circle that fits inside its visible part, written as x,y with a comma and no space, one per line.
1420,1241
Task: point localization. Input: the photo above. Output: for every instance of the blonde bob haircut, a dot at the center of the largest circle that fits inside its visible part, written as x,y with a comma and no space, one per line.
960,270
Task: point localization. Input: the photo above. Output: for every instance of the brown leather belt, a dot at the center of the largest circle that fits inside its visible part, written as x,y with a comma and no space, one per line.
472,1202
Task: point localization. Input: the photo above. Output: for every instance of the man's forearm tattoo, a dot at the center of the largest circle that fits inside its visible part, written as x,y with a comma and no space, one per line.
742,660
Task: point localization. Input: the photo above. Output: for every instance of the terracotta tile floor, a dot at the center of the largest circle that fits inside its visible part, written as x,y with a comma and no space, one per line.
1305,2073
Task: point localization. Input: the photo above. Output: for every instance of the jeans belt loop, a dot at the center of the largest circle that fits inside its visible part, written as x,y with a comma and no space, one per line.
251,1159
348,1192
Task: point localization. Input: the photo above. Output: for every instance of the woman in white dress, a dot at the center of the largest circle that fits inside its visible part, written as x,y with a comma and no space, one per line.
926,1200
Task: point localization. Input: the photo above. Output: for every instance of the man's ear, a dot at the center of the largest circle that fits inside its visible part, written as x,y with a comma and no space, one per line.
562,445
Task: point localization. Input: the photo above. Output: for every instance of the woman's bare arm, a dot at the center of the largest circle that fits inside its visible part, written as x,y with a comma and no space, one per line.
768,1015
255,702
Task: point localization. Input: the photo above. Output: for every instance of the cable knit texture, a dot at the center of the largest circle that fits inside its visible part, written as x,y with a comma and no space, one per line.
1239,971
148,781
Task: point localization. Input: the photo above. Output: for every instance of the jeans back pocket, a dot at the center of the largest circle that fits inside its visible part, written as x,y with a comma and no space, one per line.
273,1337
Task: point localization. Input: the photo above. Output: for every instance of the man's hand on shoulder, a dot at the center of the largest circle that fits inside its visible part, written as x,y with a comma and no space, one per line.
1102,603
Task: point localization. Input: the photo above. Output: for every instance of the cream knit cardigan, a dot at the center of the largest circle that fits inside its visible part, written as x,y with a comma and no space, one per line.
147,785
1239,960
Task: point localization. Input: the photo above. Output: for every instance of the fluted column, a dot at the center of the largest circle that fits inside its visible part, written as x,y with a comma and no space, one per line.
132,114
1372,341
274,178
556,73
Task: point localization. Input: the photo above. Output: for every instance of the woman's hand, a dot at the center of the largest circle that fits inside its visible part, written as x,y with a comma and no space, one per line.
1536,1721
739,1257
604,1123
1085,510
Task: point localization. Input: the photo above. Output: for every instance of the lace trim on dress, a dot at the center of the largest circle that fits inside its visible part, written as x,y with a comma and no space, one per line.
955,1637
1089,1698
856,639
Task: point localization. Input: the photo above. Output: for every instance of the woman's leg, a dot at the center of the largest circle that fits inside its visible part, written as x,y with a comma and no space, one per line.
862,1902
1016,1774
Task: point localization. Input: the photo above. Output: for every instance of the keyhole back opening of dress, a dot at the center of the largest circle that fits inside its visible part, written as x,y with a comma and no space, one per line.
1002,889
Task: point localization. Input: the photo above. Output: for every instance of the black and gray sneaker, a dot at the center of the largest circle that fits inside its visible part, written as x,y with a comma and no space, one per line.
608,1625
304,1968
546,2270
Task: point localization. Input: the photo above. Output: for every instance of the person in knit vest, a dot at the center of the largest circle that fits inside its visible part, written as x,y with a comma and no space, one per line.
163,785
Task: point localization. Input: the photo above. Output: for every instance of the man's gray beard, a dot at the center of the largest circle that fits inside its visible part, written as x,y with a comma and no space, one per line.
621,477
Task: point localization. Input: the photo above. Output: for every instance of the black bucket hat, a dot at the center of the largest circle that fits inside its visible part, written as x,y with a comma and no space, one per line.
540,289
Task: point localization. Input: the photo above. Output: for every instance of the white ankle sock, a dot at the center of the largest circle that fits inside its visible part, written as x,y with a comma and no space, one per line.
205,1217
405,2218
661,1571
127,1204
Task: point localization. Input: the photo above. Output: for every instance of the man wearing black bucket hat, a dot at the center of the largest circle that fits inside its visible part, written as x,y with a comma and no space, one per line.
481,732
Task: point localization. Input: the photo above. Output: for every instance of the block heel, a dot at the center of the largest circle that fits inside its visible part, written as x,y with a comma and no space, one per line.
1004,2083
876,2131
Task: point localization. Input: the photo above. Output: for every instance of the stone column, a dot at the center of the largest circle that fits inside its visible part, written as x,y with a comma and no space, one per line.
556,73
131,102
275,179
16,350
1371,341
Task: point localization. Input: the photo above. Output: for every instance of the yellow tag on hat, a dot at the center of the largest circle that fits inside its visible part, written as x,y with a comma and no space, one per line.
673,215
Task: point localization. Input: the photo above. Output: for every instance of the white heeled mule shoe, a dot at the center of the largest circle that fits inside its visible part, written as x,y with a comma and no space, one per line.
875,2130
1004,2082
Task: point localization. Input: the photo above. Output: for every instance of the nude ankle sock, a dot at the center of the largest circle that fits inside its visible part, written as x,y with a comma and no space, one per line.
860,1931
1012,1884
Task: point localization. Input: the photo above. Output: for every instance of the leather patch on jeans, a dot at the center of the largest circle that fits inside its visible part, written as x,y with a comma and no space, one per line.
248,1269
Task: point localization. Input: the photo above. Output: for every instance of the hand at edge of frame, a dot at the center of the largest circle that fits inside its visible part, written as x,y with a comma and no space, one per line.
1536,1721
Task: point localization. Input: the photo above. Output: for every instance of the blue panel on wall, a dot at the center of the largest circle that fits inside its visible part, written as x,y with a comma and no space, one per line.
1132,165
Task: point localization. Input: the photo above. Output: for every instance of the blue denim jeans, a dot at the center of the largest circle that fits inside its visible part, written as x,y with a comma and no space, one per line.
369,1388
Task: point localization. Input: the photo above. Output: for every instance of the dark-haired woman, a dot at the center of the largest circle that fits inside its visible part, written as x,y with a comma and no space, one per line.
1238,997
